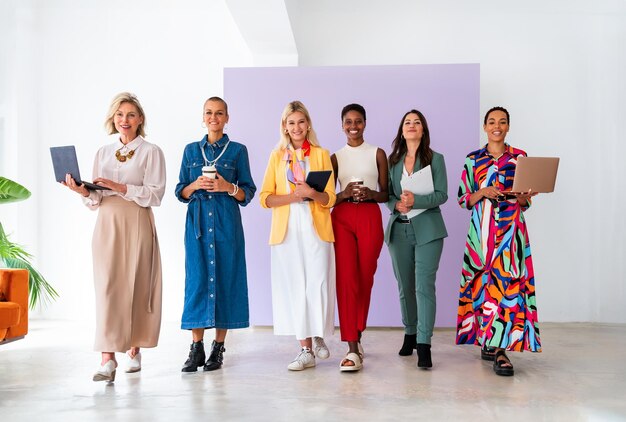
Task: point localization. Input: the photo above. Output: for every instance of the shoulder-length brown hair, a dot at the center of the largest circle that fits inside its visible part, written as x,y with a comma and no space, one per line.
424,153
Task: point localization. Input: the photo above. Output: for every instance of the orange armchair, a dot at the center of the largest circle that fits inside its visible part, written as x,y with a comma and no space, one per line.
13,304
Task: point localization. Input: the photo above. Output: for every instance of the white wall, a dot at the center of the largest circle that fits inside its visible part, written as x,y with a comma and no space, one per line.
19,110
80,54
557,66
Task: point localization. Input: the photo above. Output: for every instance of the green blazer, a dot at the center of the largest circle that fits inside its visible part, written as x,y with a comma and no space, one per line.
428,225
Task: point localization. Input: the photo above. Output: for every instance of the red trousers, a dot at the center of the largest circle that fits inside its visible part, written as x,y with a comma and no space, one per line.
358,230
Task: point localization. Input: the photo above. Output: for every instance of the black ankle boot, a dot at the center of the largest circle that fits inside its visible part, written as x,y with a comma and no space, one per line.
216,358
410,343
423,356
196,357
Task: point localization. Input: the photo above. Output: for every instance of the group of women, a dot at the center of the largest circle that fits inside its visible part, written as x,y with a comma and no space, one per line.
316,255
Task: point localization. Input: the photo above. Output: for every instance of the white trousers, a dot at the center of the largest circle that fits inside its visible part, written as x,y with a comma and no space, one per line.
303,279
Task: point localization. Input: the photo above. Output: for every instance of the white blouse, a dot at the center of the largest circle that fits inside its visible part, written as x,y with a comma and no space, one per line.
358,162
143,174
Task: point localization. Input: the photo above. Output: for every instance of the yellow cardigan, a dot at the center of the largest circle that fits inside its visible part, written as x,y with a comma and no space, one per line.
275,183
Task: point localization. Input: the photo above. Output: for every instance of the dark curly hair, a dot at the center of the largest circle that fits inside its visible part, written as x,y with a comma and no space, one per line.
353,107
497,108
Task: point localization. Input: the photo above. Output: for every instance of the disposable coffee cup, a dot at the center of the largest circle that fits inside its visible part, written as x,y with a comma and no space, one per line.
358,182
356,187
209,171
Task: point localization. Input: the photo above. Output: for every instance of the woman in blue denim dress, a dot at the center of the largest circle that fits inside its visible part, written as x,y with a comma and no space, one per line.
214,181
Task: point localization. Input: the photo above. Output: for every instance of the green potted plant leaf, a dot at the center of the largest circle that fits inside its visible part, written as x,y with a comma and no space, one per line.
13,255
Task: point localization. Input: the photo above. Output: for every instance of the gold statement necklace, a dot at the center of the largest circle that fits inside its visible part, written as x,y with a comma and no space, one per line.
121,157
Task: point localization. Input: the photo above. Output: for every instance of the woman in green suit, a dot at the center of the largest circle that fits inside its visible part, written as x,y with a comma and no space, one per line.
415,232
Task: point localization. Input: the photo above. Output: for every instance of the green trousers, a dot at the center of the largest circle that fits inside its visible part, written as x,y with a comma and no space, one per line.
415,268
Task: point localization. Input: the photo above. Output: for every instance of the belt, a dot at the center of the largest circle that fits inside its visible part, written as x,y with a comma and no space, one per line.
368,201
403,220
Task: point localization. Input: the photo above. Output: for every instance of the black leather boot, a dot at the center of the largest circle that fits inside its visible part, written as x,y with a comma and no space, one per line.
410,343
216,358
196,357
423,356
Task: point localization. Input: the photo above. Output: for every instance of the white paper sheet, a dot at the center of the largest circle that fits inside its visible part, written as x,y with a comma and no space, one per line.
420,183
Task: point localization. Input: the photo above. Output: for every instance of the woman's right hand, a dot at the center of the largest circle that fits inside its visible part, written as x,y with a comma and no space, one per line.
401,208
303,191
71,183
203,183
490,192
278,200
351,191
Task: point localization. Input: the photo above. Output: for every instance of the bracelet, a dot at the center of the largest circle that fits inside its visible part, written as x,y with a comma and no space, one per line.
235,189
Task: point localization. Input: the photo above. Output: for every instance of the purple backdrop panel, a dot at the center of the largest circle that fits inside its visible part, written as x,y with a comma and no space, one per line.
448,95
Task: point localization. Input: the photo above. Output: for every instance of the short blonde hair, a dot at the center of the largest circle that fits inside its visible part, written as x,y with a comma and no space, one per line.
124,97
291,108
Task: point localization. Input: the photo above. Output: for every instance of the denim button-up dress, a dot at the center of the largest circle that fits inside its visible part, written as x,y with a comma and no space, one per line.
216,289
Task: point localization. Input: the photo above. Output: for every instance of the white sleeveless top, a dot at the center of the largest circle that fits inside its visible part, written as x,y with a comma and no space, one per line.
357,162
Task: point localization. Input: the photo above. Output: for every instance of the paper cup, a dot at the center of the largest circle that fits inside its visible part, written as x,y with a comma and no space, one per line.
357,181
209,171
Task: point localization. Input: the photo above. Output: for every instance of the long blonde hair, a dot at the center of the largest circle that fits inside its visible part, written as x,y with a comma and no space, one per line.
124,97
291,108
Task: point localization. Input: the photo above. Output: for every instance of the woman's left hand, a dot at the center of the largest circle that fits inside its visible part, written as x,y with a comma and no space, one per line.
219,184
115,187
526,195
523,197
363,193
407,198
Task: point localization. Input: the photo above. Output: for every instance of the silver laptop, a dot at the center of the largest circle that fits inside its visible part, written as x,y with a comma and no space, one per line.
64,161
535,173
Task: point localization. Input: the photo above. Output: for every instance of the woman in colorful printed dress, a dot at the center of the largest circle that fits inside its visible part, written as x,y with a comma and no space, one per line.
415,232
126,256
361,171
214,181
497,308
301,238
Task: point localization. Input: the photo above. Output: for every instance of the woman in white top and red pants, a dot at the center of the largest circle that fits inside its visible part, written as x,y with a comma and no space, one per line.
361,170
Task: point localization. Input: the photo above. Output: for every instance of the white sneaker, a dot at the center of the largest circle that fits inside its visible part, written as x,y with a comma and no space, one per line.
106,372
133,364
305,359
321,351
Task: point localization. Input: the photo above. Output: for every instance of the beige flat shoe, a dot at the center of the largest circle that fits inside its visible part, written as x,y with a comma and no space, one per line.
106,372
134,364
355,359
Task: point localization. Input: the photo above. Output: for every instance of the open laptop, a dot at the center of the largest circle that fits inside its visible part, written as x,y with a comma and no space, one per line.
64,161
535,173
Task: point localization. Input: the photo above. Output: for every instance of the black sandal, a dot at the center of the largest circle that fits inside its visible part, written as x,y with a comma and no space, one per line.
498,367
488,353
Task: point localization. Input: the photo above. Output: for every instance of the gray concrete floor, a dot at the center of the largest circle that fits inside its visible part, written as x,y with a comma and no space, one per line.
580,376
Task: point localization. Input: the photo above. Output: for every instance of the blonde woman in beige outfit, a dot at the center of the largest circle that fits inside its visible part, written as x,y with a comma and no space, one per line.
126,257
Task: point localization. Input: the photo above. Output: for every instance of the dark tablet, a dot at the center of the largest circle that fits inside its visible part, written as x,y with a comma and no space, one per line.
64,161
318,179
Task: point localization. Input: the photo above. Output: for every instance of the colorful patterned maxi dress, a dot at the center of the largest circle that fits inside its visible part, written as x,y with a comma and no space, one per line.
497,298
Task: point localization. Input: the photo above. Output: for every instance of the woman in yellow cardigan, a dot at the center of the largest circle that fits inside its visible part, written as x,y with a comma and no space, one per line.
303,261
